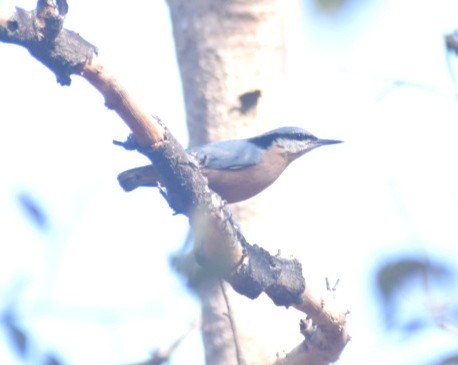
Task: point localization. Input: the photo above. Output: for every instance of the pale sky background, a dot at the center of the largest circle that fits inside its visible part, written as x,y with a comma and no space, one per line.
87,289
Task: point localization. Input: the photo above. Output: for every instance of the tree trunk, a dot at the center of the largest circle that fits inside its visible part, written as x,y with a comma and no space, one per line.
231,56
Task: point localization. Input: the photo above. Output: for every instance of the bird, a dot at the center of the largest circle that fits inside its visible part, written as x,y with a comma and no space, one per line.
239,169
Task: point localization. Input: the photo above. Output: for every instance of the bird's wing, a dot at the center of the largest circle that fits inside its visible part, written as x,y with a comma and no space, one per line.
227,155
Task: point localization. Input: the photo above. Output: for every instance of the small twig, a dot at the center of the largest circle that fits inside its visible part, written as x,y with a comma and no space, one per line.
161,356
230,315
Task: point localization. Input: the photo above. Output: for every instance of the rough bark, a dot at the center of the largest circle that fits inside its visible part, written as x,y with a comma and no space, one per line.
231,56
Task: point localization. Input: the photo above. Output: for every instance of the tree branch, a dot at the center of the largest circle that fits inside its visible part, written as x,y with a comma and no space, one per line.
220,246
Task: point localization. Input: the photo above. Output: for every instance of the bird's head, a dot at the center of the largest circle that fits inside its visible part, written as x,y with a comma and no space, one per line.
292,141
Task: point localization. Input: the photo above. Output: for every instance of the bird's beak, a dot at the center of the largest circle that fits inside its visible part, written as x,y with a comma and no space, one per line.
324,142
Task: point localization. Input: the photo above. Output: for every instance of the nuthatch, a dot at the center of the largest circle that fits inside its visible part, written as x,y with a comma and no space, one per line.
239,169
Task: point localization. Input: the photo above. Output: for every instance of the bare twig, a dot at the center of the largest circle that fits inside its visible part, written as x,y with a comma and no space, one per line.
230,315
162,356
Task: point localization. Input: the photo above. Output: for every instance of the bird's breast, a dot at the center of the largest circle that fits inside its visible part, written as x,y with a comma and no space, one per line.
243,183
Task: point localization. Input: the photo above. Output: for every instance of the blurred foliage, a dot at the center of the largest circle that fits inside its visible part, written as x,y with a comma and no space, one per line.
451,42
33,211
22,341
451,359
330,5
17,336
52,360
401,270
414,280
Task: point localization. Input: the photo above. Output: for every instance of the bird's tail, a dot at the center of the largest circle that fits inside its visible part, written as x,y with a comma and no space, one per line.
139,176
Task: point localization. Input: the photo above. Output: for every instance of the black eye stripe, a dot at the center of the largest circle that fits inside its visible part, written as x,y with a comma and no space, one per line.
293,133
